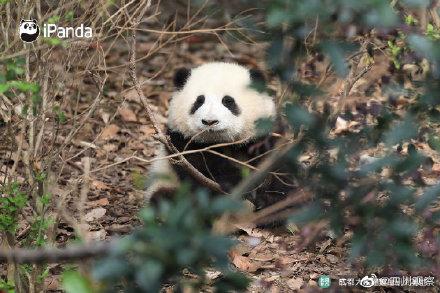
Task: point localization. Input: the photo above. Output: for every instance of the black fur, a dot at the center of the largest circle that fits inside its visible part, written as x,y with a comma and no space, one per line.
228,173
257,76
197,104
181,77
229,102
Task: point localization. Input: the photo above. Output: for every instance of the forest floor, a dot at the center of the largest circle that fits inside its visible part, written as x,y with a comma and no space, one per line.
119,139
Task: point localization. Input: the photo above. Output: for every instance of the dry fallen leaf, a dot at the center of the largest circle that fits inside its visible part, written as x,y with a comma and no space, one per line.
243,263
295,283
147,130
436,168
118,228
99,185
127,115
323,246
98,203
332,258
341,125
110,147
95,214
104,116
263,257
96,235
109,131
52,283
132,95
212,275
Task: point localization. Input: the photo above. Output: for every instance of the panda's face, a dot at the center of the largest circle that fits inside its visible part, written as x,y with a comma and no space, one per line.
216,103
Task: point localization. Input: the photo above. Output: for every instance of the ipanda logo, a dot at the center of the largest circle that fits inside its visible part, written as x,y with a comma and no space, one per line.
29,31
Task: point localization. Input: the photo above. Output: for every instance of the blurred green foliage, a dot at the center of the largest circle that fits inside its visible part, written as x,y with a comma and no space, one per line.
383,232
174,246
352,198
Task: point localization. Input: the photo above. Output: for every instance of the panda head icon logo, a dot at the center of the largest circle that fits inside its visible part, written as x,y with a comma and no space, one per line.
29,30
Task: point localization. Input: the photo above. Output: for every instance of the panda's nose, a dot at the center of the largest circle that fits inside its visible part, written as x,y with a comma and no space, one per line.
209,122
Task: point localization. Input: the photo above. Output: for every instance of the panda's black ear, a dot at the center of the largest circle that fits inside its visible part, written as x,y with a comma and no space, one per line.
21,21
180,77
34,21
258,80
257,76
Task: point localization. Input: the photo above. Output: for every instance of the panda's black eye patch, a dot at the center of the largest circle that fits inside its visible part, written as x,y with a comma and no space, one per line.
197,104
25,26
230,103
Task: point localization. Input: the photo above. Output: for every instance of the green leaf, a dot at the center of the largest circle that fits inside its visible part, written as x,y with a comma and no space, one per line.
277,16
25,86
381,15
401,132
54,19
434,142
337,51
223,204
428,197
306,90
53,41
416,3
424,47
308,214
45,199
299,116
73,282
4,87
107,269
69,15
402,227
264,126
149,275
232,282
378,164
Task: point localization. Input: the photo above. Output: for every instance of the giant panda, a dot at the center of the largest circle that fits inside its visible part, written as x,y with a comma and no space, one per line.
217,103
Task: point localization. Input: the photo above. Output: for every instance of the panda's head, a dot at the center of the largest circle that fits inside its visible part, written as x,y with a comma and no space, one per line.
218,102
29,30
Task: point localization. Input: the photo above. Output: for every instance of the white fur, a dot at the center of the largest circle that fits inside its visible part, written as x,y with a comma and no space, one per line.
214,81
162,174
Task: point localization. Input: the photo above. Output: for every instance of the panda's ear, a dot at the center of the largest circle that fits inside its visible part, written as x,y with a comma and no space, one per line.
258,80
34,21
257,76
21,21
180,77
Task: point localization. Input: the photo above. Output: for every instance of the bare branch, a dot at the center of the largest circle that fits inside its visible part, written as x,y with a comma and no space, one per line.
55,255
